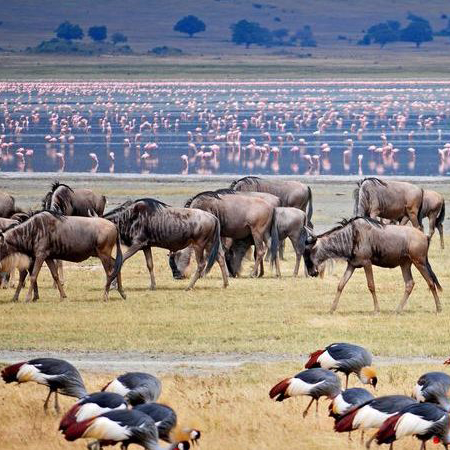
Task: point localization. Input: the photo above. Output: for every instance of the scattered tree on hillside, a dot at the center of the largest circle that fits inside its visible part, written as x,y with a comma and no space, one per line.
118,38
98,33
69,31
419,30
190,25
306,37
383,33
248,33
280,35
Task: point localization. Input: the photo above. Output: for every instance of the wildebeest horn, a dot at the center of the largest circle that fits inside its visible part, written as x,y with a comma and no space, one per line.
312,238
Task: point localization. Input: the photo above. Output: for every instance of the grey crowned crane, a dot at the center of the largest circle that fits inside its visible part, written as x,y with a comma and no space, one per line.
346,358
120,426
433,387
348,400
425,421
58,375
91,406
372,414
136,387
314,383
166,422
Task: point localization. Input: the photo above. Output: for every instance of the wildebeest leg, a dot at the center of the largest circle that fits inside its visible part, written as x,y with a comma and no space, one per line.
21,284
409,285
131,251
201,264
404,221
108,264
149,260
223,268
441,234
431,225
347,275
281,249
423,270
414,220
259,252
119,285
371,286
33,277
59,266
52,265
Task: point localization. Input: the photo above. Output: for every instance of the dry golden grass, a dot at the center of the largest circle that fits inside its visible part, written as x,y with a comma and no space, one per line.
233,410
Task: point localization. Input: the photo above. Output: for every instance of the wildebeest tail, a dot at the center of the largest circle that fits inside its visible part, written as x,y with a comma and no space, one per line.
310,208
440,218
119,257
433,276
420,212
216,247
274,241
356,197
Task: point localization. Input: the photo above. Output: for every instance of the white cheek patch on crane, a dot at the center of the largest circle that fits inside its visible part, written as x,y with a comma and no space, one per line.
368,417
327,362
410,424
90,410
417,393
299,387
28,372
340,406
117,387
104,428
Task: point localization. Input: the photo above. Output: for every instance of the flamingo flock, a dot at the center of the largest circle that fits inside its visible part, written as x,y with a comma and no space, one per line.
212,128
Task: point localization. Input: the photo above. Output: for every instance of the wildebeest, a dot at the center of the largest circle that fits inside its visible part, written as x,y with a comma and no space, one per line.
73,202
388,200
241,217
364,242
433,207
8,205
291,193
147,223
48,235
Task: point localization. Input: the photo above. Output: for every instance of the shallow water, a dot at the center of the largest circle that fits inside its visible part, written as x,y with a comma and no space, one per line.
414,117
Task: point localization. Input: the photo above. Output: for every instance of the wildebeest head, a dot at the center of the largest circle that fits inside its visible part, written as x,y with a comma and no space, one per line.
4,248
179,262
310,255
235,254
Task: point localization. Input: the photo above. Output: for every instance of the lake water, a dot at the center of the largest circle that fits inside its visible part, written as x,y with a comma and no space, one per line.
222,128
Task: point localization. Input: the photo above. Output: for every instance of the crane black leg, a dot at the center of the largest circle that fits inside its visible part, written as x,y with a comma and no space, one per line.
305,412
346,380
57,408
47,399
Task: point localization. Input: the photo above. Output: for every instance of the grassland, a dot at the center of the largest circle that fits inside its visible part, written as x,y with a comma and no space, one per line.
233,410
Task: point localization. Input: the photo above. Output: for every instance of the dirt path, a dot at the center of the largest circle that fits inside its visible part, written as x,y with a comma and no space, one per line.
181,364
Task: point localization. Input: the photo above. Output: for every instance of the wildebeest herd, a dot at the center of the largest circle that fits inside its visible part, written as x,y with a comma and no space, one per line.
221,226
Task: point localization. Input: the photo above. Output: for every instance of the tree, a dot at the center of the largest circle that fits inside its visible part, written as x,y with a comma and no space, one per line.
281,33
306,37
248,33
417,31
69,31
118,38
190,25
98,33
383,33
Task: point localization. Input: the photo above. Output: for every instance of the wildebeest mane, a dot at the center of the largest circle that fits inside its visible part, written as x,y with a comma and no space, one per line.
25,217
118,209
212,194
246,180
373,180
57,184
344,222
225,191
153,204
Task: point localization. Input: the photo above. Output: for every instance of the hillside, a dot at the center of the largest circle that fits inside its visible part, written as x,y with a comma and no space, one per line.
149,23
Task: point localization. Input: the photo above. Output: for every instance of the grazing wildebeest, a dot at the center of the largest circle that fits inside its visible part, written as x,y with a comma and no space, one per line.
8,265
8,205
47,235
73,202
147,223
241,217
388,200
364,242
291,193
433,207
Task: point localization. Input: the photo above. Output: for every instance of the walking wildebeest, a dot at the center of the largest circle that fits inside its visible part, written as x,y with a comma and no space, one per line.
48,235
147,223
291,193
363,242
73,202
241,217
8,205
388,200
433,207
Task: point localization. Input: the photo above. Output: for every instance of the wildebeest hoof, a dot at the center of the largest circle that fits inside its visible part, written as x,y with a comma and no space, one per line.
152,288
